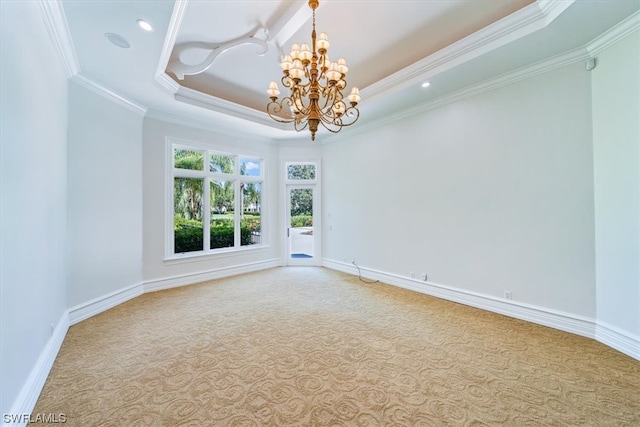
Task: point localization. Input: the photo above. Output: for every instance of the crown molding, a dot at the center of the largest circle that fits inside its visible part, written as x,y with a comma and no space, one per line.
179,10
204,100
208,126
527,72
109,94
523,73
614,34
56,23
182,121
165,81
512,27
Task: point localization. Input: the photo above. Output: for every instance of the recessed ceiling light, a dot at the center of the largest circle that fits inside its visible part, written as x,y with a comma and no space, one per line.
118,40
426,84
145,25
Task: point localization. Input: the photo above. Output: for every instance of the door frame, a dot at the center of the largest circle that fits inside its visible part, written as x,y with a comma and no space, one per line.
314,185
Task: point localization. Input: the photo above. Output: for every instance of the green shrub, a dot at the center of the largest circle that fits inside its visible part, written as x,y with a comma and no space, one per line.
251,222
302,221
188,234
221,236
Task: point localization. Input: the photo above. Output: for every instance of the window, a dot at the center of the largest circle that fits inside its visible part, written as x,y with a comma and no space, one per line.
301,171
217,200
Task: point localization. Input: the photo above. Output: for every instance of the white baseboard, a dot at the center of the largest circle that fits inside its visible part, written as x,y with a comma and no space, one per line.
600,331
543,316
191,278
28,397
618,339
97,305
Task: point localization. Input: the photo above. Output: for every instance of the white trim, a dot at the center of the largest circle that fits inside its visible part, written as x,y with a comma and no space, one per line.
56,23
210,102
614,35
169,240
567,322
162,78
97,305
523,73
218,273
30,392
166,82
521,23
618,339
109,94
209,126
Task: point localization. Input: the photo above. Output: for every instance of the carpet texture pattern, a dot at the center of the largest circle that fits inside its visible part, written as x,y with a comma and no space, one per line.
314,347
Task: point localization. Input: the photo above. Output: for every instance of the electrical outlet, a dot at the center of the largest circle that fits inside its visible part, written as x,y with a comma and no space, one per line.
52,328
507,295
413,275
424,276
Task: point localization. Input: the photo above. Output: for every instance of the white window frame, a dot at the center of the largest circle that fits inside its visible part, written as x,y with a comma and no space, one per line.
171,173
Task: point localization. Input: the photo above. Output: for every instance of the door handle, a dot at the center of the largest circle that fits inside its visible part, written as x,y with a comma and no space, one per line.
288,231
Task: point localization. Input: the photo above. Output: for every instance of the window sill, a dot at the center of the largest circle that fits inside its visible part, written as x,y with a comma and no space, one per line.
217,254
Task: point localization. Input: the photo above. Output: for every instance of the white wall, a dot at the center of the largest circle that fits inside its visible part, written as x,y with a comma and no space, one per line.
159,273
33,192
616,140
105,196
488,194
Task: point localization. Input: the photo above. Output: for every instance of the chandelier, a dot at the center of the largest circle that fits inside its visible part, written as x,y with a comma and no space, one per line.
315,84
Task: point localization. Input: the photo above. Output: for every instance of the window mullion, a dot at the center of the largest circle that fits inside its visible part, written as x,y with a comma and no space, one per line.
206,215
238,213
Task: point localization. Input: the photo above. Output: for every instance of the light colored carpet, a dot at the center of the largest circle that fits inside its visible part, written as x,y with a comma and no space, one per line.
314,347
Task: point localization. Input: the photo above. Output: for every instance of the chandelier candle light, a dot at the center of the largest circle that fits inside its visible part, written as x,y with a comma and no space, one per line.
316,86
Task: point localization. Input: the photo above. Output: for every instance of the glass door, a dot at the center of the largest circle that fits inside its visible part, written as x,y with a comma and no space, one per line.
302,236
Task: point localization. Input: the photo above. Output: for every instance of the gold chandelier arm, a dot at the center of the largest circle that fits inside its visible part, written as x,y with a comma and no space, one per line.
297,102
330,97
300,125
275,108
349,117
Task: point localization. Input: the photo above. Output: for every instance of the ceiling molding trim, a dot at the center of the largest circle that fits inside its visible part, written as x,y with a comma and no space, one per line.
161,77
166,82
541,67
56,23
209,126
614,34
180,69
552,8
199,99
523,22
109,94
286,25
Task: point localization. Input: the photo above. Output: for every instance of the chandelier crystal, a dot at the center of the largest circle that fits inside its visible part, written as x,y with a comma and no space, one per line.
315,84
